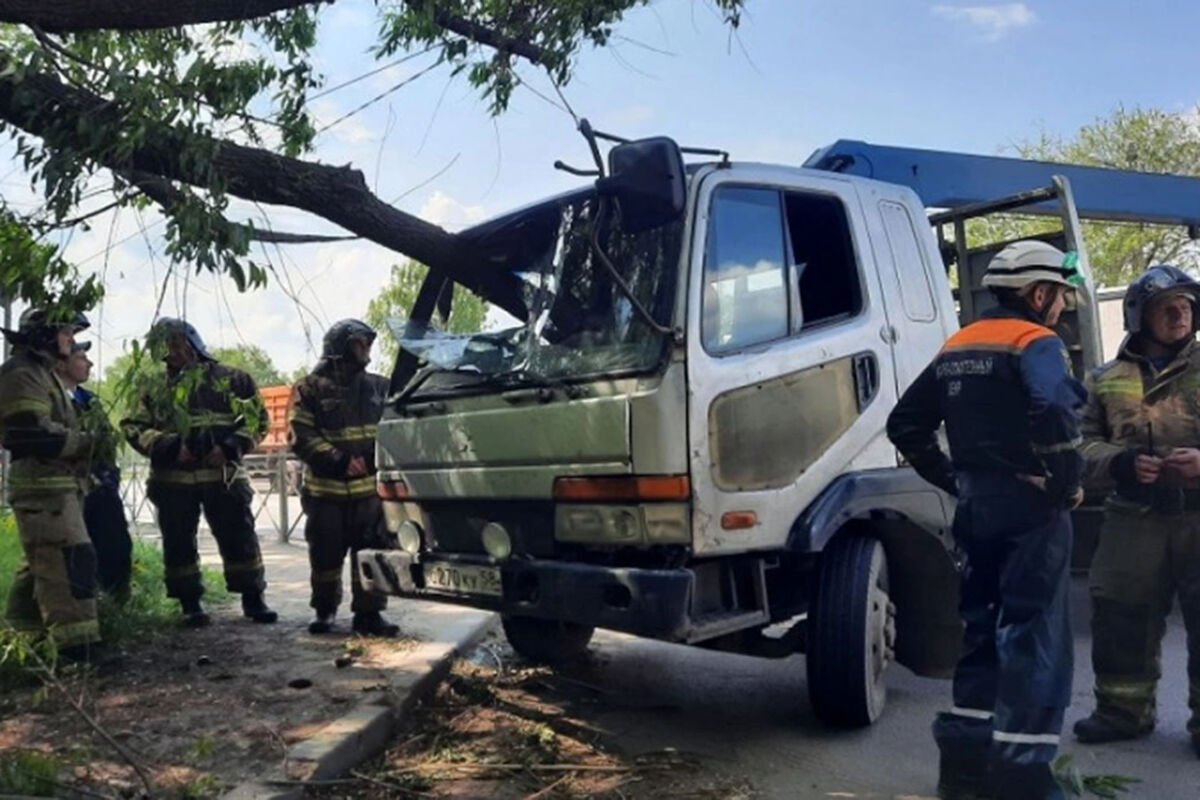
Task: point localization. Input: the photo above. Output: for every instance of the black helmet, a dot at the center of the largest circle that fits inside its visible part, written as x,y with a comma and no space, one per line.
1153,282
167,328
38,328
337,338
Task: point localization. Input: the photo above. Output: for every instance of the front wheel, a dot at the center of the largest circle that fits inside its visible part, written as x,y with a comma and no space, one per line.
851,633
547,641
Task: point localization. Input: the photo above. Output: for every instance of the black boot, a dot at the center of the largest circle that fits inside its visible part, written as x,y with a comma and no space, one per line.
323,623
255,608
1196,743
962,778
194,615
370,623
1097,730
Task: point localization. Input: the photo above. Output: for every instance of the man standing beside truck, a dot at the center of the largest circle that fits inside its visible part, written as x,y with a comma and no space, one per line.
1003,387
1140,442
194,425
333,419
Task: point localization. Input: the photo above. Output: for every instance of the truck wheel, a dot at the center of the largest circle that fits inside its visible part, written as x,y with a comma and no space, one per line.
851,633
546,640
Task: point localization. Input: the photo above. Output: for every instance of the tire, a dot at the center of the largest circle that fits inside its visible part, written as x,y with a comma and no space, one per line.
851,633
546,641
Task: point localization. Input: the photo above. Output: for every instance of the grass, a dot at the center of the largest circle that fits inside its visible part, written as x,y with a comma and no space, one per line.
147,612
28,773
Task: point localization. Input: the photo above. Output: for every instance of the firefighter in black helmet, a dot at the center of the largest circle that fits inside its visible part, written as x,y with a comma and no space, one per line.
54,592
333,417
195,451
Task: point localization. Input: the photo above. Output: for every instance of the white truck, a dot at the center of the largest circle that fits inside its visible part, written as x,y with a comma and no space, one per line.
683,438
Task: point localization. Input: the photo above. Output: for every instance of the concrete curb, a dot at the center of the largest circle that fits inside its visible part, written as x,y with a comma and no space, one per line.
364,732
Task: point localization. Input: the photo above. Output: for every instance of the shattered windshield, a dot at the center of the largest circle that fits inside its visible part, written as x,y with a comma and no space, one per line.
577,321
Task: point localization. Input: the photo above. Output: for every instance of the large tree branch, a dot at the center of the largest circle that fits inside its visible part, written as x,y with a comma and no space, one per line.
61,16
43,106
481,34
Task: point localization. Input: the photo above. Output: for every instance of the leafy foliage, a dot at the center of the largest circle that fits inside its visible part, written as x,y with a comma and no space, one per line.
28,773
252,359
1076,784
467,311
33,271
184,94
1148,140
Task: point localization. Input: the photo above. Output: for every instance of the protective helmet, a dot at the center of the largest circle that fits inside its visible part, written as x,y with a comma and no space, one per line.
37,329
1157,280
1024,263
167,328
337,338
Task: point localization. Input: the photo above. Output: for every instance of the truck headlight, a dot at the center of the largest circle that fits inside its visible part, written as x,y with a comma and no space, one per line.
409,536
496,540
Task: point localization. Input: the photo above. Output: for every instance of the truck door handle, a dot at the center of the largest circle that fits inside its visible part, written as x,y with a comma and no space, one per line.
866,379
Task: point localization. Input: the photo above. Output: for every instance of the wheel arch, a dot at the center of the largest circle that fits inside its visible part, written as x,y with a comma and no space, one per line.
913,521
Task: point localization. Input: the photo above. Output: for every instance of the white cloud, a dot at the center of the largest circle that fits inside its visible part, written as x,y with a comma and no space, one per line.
351,130
442,209
993,22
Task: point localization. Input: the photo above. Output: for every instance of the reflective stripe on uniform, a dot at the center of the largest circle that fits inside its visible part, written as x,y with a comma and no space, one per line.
971,713
353,433
188,476
1061,447
211,419
334,487
244,566
1126,689
185,571
1004,335
1025,738
1126,386
49,483
327,575
302,416
27,405
75,633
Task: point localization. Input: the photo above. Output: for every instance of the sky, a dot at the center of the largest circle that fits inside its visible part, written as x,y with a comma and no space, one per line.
797,75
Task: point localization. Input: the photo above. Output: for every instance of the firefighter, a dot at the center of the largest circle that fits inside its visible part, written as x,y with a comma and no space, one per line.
195,451
103,511
54,591
1003,388
334,415
1140,431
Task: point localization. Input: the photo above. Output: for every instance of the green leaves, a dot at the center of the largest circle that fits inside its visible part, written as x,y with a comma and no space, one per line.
1076,784
467,310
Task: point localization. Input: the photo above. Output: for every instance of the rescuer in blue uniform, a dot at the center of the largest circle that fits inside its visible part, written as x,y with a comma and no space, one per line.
1002,386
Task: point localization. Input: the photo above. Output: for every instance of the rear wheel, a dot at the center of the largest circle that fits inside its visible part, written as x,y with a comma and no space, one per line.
851,633
546,640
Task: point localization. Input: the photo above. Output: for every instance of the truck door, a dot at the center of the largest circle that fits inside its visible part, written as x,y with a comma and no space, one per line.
790,369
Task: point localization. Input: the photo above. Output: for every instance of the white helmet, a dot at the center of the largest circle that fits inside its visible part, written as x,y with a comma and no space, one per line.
1022,264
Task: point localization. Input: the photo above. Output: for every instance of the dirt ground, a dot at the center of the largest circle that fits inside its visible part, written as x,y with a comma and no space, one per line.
198,710
505,729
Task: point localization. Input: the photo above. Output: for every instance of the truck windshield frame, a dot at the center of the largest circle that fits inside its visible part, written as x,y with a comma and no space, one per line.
579,324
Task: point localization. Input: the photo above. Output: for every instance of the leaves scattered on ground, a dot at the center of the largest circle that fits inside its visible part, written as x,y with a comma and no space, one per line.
522,732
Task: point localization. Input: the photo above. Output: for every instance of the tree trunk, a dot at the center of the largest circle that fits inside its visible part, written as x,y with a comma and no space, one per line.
43,106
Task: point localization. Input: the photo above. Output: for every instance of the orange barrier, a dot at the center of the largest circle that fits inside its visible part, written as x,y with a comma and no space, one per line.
277,400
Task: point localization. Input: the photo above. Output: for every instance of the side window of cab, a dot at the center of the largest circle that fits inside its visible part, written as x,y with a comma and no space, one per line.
776,264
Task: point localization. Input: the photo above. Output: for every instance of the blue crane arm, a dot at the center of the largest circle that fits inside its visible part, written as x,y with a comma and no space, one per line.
947,180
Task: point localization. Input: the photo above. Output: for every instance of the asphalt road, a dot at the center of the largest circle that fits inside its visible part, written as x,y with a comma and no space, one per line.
751,717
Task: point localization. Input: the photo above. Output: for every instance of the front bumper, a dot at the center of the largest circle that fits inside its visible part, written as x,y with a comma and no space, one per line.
645,602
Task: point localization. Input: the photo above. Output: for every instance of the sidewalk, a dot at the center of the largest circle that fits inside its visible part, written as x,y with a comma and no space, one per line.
440,632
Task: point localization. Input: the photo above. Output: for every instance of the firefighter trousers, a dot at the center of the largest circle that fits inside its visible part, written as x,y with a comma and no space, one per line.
227,510
54,590
1013,679
104,516
1143,561
332,528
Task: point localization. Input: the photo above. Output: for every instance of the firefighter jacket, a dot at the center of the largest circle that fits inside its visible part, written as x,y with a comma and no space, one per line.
222,409
41,430
334,416
1003,387
1134,408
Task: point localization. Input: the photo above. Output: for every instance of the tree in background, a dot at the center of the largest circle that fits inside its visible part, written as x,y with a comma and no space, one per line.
252,359
1147,140
467,310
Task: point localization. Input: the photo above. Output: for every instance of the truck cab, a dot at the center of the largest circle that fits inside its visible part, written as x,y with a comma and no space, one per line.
681,435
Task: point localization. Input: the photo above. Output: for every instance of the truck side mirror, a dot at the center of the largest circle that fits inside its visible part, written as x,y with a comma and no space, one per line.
647,180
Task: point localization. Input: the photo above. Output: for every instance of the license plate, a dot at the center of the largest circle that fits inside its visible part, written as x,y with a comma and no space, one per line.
463,579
